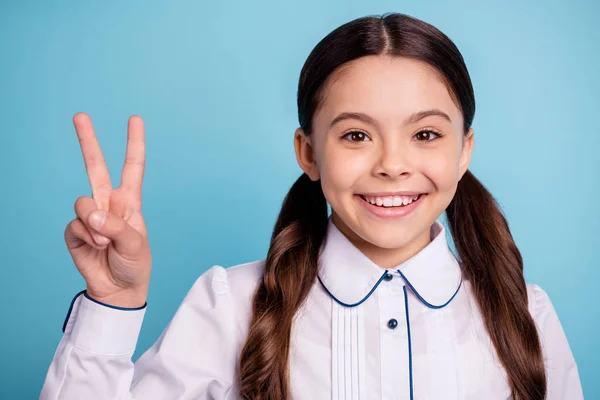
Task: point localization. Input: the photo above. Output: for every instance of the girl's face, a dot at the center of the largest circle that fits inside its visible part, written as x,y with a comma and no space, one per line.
386,132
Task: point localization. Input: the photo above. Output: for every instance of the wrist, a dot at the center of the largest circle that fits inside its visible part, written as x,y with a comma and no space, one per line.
119,300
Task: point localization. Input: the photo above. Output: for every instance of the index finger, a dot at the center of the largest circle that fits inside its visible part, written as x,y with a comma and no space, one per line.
95,163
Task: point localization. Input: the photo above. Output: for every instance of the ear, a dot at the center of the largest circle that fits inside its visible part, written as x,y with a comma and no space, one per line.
467,148
305,154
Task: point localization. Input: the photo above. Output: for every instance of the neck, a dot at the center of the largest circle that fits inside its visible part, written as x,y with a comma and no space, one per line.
384,257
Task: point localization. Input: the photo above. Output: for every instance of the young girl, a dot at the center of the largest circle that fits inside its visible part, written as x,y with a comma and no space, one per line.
366,303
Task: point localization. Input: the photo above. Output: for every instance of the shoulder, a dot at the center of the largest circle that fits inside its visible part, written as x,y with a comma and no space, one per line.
233,285
538,302
245,277
545,317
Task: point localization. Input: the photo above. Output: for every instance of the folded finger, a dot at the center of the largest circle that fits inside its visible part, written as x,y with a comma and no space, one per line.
77,235
84,206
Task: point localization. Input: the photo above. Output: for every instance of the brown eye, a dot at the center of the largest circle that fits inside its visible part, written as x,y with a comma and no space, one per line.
356,136
427,136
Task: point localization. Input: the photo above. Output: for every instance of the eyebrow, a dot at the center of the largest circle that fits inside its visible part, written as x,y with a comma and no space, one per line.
370,120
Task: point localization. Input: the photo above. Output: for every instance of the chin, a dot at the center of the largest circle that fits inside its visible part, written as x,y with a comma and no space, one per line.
390,237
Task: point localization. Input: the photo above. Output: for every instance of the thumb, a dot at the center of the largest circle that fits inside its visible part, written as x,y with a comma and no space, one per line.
126,240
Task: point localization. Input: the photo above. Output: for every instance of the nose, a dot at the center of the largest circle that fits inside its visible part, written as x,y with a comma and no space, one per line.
394,162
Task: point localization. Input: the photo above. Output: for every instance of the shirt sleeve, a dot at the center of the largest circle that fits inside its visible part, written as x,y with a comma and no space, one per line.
561,370
195,357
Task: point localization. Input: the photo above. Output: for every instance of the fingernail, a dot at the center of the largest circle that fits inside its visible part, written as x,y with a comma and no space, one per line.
97,219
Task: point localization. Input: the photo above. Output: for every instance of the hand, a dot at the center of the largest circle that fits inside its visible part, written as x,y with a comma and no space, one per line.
114,258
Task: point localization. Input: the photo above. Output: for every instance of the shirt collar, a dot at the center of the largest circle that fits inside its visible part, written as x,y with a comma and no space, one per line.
350,277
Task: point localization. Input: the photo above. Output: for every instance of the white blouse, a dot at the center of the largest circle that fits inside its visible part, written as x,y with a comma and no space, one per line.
411,332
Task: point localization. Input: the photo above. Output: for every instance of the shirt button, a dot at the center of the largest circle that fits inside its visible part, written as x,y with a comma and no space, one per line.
388,277
392,323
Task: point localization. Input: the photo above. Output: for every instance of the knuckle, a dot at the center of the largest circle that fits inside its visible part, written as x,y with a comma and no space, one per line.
80,204
80,200
95,159
71,224
68,229
77,228
74,229
134,160
105,187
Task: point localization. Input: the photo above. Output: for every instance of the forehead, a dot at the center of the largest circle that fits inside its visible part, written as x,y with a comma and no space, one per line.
388,88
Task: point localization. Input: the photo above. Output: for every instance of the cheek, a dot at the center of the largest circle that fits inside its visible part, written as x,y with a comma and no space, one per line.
341,168
442,170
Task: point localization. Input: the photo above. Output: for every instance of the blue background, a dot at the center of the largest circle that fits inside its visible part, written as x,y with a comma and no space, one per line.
216,86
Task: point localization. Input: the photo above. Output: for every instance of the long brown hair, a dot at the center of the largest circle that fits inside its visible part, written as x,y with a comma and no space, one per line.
490,260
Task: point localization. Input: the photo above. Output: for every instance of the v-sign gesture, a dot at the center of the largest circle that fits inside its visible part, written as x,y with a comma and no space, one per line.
113,256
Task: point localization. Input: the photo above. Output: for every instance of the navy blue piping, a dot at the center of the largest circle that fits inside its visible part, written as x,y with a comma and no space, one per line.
410,371
355,304
84,292
71,309
115,307
422,299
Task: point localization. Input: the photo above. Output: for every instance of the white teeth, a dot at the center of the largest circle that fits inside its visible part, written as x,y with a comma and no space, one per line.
392,201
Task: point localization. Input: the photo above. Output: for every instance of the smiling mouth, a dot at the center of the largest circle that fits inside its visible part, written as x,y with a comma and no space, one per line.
391,201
